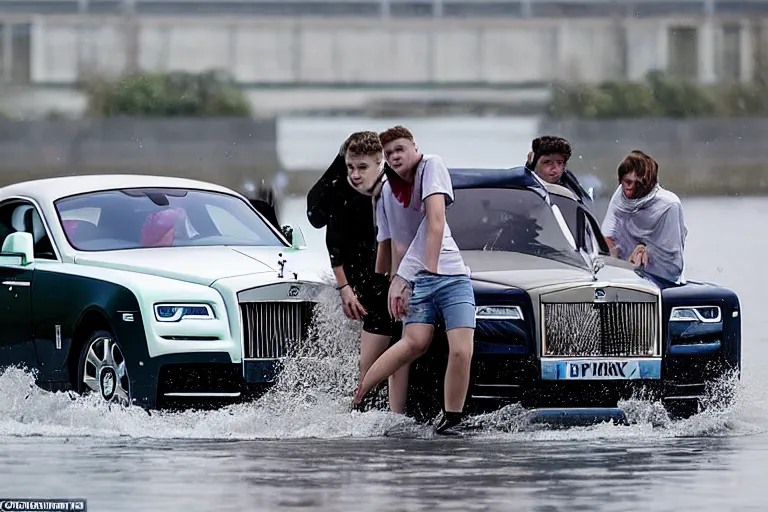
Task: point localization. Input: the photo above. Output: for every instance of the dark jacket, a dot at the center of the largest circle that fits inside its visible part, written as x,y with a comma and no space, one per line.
569,181
348,217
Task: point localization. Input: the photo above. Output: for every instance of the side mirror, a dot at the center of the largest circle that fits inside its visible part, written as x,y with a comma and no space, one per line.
18,249
287,232
295,236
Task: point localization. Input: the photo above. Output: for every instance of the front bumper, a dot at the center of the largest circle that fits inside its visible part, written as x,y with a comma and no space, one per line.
505,374
199,378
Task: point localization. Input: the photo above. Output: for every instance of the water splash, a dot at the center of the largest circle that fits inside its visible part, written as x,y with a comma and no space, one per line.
731,407
311,400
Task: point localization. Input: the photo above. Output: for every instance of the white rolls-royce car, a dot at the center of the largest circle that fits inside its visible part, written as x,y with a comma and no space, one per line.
148,289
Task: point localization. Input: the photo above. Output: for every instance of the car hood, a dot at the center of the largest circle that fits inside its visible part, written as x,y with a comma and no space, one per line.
530,272
201,265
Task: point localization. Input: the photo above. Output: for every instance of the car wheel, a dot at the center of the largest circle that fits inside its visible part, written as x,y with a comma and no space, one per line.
102,369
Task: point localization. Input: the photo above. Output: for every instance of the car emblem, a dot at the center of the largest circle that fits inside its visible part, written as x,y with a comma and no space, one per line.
108,383
293,291
599,294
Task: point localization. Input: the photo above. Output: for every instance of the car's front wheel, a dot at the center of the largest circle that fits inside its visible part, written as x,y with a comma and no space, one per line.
102,369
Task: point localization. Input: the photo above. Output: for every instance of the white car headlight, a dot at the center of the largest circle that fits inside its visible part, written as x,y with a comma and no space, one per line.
703,314
498,313
178,312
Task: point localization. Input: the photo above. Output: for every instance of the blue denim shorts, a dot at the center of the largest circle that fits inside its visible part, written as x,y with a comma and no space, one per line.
438,299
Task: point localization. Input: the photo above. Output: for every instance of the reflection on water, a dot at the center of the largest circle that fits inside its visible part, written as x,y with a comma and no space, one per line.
300,447
391,474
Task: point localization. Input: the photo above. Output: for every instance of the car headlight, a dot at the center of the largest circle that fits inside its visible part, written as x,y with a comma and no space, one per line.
498,313
178,312
703,314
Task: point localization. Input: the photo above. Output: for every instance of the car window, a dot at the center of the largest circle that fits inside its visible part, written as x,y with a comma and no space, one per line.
136,218
226,223
514,220
20,215
570,209
87,214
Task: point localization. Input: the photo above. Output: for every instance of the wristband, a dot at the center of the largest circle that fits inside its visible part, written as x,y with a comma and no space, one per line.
339,288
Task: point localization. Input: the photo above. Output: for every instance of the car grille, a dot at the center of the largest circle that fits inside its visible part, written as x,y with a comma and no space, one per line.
271,328
617,329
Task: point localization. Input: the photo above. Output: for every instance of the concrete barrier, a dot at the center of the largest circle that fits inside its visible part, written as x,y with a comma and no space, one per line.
697,156
226,151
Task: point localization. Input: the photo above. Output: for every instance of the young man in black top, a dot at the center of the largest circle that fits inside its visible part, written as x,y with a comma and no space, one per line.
548,158
343,200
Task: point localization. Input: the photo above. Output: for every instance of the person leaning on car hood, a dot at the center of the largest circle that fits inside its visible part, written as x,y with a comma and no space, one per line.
548,158
644,222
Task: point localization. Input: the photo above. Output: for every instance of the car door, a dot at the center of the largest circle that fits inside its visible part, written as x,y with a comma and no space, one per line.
16,343
17,346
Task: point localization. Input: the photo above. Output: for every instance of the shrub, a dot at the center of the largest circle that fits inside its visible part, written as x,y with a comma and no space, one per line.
659,95
177,94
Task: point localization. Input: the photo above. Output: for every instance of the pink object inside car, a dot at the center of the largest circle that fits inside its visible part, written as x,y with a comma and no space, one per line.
159,229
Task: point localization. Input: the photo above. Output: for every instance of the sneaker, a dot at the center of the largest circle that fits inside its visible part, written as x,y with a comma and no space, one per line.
447,421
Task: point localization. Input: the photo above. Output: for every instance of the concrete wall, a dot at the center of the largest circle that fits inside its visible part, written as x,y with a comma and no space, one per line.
365,51
294,65
700,156
227,151
716,156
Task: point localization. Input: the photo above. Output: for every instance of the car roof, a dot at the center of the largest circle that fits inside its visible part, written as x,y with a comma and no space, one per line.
51,189
514,177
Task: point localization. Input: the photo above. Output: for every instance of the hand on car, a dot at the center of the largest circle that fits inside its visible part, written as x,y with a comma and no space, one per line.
351,306
639,256
399,296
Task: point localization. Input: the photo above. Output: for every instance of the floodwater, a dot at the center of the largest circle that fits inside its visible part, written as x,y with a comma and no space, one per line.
300,448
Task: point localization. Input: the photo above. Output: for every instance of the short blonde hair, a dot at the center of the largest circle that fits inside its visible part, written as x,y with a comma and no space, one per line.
364,143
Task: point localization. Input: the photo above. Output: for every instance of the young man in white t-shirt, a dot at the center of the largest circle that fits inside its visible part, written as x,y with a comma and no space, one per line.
430,281
342,201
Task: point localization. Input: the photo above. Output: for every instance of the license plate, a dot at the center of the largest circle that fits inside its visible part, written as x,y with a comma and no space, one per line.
602,370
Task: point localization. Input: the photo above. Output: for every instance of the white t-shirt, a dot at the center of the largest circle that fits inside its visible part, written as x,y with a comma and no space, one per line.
406,226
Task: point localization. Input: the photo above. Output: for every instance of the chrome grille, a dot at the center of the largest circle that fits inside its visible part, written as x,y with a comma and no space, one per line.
617,329
271,328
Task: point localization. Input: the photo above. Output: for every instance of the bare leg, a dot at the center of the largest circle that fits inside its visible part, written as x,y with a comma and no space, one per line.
415,341
460,347
398,389
371,347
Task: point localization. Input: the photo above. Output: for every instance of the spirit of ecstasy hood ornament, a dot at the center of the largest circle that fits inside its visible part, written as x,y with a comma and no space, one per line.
595,262
281,263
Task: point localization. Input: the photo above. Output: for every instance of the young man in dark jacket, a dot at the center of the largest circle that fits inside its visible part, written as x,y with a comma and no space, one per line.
343,201
548,159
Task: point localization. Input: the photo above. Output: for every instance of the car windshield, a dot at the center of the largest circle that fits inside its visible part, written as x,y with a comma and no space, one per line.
142,217
569,209
514,220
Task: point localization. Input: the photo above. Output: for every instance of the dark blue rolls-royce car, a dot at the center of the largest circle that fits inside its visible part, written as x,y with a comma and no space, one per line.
563,328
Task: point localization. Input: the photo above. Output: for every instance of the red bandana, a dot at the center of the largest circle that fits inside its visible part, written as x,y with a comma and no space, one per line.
402,190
